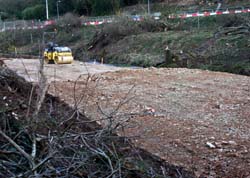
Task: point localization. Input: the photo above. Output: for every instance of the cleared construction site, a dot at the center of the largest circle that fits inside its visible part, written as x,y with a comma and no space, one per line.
191,118
158,90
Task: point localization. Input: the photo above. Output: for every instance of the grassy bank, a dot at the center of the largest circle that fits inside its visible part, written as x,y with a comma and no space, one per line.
220,43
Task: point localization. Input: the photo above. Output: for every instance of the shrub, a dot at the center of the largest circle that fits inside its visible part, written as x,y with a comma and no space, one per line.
35,12
125,27
70,20
105,7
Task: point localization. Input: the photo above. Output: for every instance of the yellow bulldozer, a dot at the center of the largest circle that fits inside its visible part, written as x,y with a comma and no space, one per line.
54,54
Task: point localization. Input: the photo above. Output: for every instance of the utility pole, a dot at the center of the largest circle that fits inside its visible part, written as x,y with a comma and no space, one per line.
1,16
1,28
57,8
47,10
148,7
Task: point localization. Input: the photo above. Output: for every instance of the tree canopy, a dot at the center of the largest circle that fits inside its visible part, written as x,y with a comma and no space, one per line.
34,12
35,9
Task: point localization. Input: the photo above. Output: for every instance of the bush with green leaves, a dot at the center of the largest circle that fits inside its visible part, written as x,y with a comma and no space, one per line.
35,12
105,7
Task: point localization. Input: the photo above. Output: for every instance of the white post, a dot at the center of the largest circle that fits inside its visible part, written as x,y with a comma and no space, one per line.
47,10
148,7
198,22
57,8
218,7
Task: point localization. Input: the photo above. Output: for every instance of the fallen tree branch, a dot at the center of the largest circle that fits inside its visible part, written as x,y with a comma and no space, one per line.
12,142
43,161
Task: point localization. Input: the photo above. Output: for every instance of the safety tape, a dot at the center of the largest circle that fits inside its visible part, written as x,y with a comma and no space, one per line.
97,22
206,13
139,18
109,21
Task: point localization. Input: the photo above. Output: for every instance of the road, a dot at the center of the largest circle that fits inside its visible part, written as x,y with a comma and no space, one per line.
192,118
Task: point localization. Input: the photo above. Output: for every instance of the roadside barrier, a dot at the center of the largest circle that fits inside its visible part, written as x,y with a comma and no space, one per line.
94,21
88,21
206,13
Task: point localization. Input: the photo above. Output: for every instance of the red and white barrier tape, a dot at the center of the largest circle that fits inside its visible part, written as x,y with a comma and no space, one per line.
205,14
97,22
137,18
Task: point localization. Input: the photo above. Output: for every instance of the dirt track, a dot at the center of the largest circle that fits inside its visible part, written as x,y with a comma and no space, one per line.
194,118
28,68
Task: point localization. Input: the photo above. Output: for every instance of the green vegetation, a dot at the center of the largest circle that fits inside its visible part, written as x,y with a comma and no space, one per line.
26,9
147,49
35,9
104,7
218,43
214,46
35,12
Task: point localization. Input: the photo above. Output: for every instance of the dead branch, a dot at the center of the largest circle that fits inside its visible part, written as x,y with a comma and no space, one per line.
13,143
30,99
101,153
43,87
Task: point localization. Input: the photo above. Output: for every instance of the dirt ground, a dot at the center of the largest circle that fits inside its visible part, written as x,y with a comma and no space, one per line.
28,68
192,118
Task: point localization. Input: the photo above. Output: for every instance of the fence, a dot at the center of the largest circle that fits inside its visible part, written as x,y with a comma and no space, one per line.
98,20
86,21
21,25
210,12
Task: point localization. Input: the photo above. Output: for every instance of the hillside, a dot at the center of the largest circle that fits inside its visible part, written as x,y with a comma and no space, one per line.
220,43
217,43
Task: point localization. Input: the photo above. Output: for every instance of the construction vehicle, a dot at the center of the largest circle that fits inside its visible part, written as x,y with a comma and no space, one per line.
54,54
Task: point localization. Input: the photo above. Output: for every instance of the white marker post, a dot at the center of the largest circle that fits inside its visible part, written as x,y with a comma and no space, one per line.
47,10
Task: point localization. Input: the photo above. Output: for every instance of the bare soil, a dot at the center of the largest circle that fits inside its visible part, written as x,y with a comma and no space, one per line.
28,68
54,116
192,118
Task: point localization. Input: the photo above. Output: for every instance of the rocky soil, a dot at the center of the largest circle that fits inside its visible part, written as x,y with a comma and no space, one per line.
193,118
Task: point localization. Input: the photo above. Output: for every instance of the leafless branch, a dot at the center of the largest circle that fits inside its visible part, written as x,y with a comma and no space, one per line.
13,143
